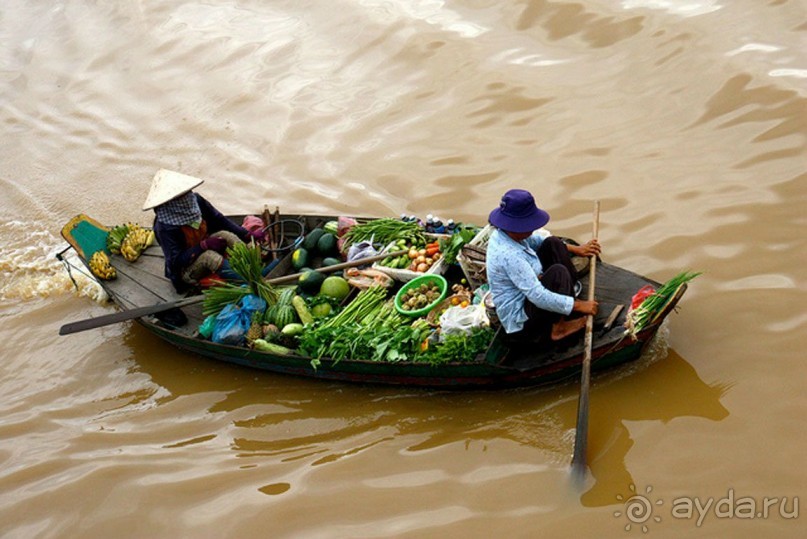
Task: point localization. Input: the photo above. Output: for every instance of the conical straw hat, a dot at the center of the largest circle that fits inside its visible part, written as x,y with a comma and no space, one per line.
168,185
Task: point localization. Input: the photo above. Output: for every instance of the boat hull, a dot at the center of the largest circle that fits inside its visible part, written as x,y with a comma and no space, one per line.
476,374
142,283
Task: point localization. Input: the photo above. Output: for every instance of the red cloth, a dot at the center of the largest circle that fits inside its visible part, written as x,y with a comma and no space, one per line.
641,295
252,223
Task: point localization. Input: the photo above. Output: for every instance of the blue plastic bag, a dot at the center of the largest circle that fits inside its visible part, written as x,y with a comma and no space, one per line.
233,322
252,304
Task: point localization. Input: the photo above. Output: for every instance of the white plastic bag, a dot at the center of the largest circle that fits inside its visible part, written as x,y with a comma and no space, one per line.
363,249
458,320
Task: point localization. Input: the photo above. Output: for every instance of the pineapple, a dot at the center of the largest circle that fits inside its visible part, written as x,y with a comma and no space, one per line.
255,330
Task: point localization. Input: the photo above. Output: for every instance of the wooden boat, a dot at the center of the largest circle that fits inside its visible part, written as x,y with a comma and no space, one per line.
142,284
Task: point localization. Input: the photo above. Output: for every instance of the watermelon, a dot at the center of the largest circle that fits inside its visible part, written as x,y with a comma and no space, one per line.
326,245
285,315
332,227
286,295
299,259
271,314
311,239
310,281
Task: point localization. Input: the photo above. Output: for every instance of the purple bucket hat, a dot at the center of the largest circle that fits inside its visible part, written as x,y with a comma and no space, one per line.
518,213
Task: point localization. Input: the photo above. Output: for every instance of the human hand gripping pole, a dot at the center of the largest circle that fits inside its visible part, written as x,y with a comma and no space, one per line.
581,434
138,312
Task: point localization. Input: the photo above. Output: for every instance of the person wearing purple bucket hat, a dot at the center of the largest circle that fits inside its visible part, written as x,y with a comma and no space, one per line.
532,278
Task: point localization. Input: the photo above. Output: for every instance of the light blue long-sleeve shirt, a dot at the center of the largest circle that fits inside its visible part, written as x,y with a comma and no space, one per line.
513,268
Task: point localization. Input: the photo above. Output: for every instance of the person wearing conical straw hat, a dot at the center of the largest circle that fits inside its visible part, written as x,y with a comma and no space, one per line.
193,234
532,279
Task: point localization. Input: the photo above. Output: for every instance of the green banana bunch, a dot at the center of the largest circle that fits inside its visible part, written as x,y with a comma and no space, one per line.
115,238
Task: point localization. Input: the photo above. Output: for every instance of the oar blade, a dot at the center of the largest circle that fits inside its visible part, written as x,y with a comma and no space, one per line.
123,316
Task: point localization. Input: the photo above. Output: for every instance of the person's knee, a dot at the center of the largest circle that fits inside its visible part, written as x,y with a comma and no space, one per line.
206,263
558,279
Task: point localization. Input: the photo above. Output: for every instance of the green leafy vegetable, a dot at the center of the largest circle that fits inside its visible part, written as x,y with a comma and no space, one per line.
654,304
219,296
384,231
459,348
450,247
246,261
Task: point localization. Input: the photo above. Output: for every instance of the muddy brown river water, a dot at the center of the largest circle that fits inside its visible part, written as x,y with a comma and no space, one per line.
688,120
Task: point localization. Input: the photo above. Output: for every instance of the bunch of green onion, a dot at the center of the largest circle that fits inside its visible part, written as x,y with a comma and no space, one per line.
219,296
384,231
246,261
364,305
653,305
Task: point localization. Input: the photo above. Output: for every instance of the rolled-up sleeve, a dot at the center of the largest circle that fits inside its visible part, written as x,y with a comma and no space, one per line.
524,279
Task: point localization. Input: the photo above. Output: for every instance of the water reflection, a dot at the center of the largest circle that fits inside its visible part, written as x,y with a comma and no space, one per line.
311,422
665,390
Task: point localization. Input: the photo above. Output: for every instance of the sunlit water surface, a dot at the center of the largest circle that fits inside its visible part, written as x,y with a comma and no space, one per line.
686,119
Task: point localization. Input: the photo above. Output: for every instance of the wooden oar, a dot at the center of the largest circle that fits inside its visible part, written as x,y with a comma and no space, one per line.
138,312
581,434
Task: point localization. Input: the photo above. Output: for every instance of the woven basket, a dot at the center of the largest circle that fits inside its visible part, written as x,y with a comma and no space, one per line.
472,258
473,254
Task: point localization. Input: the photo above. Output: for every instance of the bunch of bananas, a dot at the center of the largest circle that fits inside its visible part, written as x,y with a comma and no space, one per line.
115,238
135,242
101,267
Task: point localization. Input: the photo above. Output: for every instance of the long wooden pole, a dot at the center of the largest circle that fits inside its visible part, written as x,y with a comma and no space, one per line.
581,434
138,312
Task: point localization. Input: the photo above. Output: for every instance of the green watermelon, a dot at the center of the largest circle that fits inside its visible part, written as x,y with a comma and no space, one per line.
326,245
310,281
271,314
299,259
311,239
286,295
285,315
332,227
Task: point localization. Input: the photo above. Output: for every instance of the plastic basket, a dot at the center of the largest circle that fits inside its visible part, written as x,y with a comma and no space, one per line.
422,279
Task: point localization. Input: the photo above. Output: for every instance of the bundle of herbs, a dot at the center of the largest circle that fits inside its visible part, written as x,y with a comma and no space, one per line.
347,334
647,312
246,261
384,231
219,296
371,328
458,348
